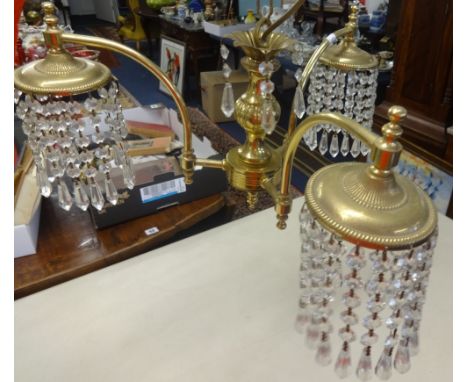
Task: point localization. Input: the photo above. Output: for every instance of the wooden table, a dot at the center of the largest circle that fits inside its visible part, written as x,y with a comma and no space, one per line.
69,246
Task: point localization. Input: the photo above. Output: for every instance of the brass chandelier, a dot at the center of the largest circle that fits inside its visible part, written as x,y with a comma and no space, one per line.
365,230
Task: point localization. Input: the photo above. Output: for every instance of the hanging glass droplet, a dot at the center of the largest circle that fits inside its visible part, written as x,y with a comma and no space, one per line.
414,343
323,356
343,363
112,195
402,362
364,368
334,146
311,139
44,183
226,71
312,336
129,177
227,100
97,200
268,116
299,106
345,145
323,146
224,51
383,369
356,148
80,196
64,198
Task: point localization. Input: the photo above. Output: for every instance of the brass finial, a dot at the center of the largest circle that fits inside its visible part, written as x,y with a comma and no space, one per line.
49,14
393,130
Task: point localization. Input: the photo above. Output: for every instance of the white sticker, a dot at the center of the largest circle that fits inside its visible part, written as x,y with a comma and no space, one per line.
151,231
162,190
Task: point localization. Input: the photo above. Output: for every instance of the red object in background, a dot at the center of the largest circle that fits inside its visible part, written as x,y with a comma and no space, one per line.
18,8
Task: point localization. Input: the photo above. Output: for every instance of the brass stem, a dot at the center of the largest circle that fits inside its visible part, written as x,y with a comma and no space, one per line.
281,20
188,159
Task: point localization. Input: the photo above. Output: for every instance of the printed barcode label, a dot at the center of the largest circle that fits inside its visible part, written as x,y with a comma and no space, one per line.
151,231
162,190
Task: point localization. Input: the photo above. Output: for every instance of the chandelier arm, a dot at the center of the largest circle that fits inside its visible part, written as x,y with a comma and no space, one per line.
295,7
283,198
314,59
187,158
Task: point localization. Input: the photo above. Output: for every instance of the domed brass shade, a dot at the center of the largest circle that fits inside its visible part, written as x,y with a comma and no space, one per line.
348,200
347,56
61,73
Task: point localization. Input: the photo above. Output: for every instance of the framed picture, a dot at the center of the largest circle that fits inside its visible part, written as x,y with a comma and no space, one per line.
173,62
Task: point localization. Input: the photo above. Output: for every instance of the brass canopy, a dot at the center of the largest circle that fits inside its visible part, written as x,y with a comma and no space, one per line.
61,73
375,212
347,56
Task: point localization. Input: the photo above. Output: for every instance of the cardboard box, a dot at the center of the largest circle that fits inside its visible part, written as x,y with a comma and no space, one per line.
222,28
27,216
212,86
159,182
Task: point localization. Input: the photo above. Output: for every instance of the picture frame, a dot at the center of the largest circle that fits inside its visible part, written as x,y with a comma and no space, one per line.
172,62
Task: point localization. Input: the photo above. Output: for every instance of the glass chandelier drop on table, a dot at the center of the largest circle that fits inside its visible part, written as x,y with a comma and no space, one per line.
368,234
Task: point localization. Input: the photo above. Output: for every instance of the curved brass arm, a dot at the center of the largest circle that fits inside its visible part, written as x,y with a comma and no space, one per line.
188,158
291,11
283,199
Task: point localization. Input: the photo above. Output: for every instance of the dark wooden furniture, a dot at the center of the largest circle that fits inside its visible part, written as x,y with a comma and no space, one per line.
322,13
69,246
422,77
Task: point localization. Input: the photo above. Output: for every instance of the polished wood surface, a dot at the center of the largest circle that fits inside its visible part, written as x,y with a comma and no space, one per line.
422,76
69,246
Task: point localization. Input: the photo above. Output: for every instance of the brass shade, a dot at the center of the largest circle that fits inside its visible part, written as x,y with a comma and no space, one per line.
347,56
61,73
371,210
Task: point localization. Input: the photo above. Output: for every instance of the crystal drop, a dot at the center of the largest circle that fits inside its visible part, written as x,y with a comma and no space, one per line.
323,356
64,198
343,363
323,146
73,172
383,369
334,146
368,340
82,142
364,368
347,318
44,183
356,148
98,137
97,200
402,362
299,103
267,87
224,51
80,196
414,343
91,104
298,75
227,100
112,195
312,337
266,68
364,149
371,322
312,140
226,71
129,177
268,116
347,335
102,92
18,94
302,319
351,302
87,157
